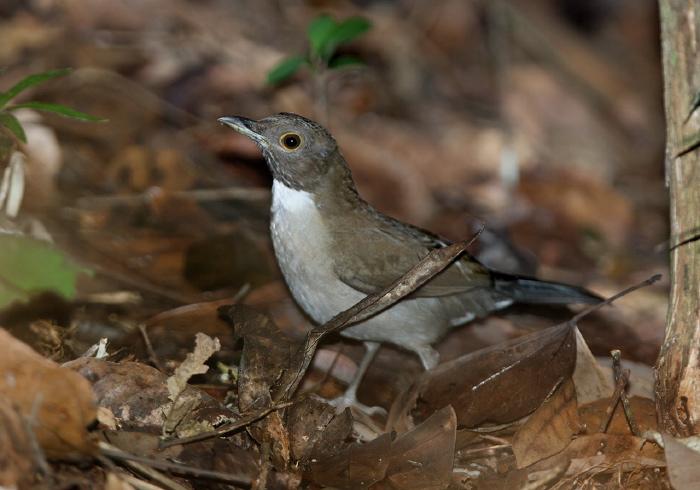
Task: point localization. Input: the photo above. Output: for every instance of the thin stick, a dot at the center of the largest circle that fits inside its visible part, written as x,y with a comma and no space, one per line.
618,372
149,348
430,265
224,429
145,470
608,301
147,465
620,384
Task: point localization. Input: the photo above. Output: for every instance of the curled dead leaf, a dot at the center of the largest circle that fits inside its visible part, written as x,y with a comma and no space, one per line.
501,383
56,401
550,429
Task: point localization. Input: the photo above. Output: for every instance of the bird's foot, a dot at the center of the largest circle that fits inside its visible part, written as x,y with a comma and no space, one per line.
365,428
349,400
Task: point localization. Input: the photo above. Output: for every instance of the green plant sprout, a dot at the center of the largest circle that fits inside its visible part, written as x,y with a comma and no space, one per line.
325,35
28,265
12,123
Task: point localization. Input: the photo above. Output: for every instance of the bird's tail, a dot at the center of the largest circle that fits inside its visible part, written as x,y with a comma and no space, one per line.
533,291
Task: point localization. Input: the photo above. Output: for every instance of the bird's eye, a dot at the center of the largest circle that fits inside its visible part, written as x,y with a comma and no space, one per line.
290,141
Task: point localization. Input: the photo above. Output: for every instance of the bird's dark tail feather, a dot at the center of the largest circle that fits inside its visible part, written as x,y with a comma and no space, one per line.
534,291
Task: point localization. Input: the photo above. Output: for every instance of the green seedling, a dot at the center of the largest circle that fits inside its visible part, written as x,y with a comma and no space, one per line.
12,123
325,36
28,265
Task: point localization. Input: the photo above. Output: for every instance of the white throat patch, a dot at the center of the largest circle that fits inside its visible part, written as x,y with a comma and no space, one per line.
291,200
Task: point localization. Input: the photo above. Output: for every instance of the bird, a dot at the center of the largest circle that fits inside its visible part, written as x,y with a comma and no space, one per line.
334,249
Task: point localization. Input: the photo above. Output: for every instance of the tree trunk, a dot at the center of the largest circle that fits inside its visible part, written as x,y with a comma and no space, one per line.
678,367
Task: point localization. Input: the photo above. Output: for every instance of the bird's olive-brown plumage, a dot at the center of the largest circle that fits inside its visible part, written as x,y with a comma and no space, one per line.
333,248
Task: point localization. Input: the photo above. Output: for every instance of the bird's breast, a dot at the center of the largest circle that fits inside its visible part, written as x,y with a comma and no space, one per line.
302,246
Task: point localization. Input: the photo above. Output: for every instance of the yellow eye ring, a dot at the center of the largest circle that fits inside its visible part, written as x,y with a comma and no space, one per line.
291,141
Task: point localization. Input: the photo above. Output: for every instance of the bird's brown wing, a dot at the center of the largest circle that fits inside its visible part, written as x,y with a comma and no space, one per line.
402,248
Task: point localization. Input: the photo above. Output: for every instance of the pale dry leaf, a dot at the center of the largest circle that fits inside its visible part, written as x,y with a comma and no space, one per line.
597,453
194,364
550,429
589,378
683,460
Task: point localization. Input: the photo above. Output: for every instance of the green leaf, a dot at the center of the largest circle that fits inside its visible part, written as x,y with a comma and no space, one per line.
285,69
12,123
345,32
349,30
46,106
29,266
319,32
345,60
30,81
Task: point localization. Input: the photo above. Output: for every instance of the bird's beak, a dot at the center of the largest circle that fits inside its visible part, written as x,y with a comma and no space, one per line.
244,126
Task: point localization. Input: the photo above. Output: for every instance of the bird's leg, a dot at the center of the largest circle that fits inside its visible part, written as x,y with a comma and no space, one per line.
349,398
429,357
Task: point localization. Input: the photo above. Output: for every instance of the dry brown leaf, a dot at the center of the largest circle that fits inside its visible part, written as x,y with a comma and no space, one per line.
211,454
138,395
643,409
357,466
598,453
550,429
141,444
589,378
56,401
423,457
315,429
683,463
272,430
171,332
265,357
501,383
18,460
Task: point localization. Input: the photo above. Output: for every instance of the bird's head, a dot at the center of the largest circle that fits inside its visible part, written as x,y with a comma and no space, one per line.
299,152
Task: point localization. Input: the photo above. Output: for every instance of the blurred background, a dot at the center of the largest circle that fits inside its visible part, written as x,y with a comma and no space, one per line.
542,119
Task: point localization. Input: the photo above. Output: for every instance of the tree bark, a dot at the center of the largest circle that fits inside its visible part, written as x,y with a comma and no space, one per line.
678,367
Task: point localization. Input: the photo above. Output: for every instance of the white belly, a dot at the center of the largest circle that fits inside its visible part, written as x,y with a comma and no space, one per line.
299,236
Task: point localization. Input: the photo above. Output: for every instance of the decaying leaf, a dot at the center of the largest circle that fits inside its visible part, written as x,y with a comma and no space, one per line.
138,395
550,429
643,409
211,454
420,459
500,384
356,466
18,460
194,363
597,453
54,400
315,429
265,357
423,457
172,335
589,378
683,462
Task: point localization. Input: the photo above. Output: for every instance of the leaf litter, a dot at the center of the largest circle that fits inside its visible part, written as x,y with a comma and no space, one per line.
303,439
252,420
